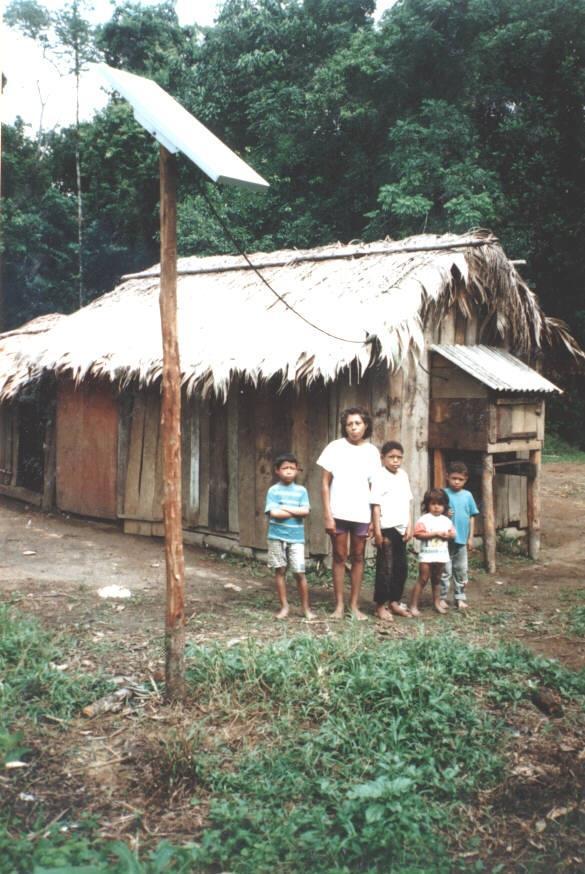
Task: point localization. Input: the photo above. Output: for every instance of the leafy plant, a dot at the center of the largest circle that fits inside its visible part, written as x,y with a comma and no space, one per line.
32,683
366,750
577,621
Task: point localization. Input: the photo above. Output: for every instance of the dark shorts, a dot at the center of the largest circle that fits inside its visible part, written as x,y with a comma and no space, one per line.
343,526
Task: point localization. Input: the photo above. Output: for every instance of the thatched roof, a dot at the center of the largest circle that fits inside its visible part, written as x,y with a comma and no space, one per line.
338,305
14,352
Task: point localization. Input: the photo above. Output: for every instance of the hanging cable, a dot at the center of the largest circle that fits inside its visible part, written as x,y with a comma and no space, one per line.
240,249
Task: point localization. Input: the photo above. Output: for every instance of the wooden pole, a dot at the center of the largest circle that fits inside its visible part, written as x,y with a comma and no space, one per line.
488,513
439,469
171,432
534,504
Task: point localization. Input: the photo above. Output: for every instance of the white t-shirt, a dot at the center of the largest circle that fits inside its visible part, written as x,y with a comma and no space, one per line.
392,492
353,468
435,549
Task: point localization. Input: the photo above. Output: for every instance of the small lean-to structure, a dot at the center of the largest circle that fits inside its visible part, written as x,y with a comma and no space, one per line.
261,374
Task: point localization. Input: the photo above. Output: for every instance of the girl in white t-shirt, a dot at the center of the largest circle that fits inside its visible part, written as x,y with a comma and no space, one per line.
434,530
349,465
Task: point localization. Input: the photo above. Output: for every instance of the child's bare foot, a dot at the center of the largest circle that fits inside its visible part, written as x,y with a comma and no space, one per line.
384,615
444,604
462,605
414,611
282,613
337,613
309,615
439,607
400,609
357,614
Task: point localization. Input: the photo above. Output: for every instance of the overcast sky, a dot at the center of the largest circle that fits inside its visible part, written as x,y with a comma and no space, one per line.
36,92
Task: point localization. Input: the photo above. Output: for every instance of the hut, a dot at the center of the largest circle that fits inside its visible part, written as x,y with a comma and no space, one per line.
272,348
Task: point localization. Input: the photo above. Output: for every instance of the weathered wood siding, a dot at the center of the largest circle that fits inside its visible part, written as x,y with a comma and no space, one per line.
238,442
144,482
86,448
8,443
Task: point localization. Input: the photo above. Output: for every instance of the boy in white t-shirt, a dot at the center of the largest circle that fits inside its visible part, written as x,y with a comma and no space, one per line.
391,500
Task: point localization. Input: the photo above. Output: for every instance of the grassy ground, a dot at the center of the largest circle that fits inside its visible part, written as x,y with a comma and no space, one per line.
556,449
452,743
342,753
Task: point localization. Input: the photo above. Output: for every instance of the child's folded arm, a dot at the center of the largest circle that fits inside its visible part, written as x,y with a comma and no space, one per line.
279,513
298,511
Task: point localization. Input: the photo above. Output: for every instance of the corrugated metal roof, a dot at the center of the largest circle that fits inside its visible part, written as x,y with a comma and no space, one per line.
496,368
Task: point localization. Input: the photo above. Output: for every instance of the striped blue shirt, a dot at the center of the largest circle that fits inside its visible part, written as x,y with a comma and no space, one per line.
291,530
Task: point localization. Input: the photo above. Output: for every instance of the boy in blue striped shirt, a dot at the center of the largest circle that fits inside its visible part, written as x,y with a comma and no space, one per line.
287,504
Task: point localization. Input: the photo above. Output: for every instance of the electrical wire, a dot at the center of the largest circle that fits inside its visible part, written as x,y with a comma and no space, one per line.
234,241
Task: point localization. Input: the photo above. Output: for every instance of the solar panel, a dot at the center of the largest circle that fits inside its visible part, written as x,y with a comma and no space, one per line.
179,131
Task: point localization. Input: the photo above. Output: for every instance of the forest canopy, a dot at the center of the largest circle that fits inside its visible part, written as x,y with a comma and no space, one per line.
441,116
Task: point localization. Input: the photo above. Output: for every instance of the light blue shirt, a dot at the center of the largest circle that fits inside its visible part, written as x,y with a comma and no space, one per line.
291,530
464,507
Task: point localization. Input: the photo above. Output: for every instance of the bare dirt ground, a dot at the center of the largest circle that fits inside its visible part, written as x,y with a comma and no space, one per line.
53,566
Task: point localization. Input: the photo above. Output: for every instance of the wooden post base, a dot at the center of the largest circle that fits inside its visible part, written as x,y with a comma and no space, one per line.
488,512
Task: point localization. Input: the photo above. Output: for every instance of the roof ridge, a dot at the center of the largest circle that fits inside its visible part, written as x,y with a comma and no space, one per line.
304,255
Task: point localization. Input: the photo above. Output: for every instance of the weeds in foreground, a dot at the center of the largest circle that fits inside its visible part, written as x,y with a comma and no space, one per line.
333,754
35,679
577,621
362,752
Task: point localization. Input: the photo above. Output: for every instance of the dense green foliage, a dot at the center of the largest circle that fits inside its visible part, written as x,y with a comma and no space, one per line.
443,115
329,754
364,753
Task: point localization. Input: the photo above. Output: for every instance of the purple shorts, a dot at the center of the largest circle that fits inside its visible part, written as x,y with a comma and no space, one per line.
343,526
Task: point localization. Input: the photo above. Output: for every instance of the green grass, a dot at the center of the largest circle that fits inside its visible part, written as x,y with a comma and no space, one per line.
557,449
367,750
577,621
334,754
34,682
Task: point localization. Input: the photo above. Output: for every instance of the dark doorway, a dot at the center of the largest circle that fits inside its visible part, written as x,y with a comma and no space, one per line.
32,423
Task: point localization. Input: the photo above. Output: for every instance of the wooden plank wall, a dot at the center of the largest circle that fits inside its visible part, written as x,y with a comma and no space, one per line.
218,466
270,422
414,419
233,457
143,490
190,414
8,444
87,448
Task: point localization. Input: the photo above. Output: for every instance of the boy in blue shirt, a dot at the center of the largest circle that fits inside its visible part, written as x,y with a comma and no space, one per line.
462,511
287,504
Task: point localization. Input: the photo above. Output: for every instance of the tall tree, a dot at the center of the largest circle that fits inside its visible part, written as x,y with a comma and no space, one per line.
67,39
